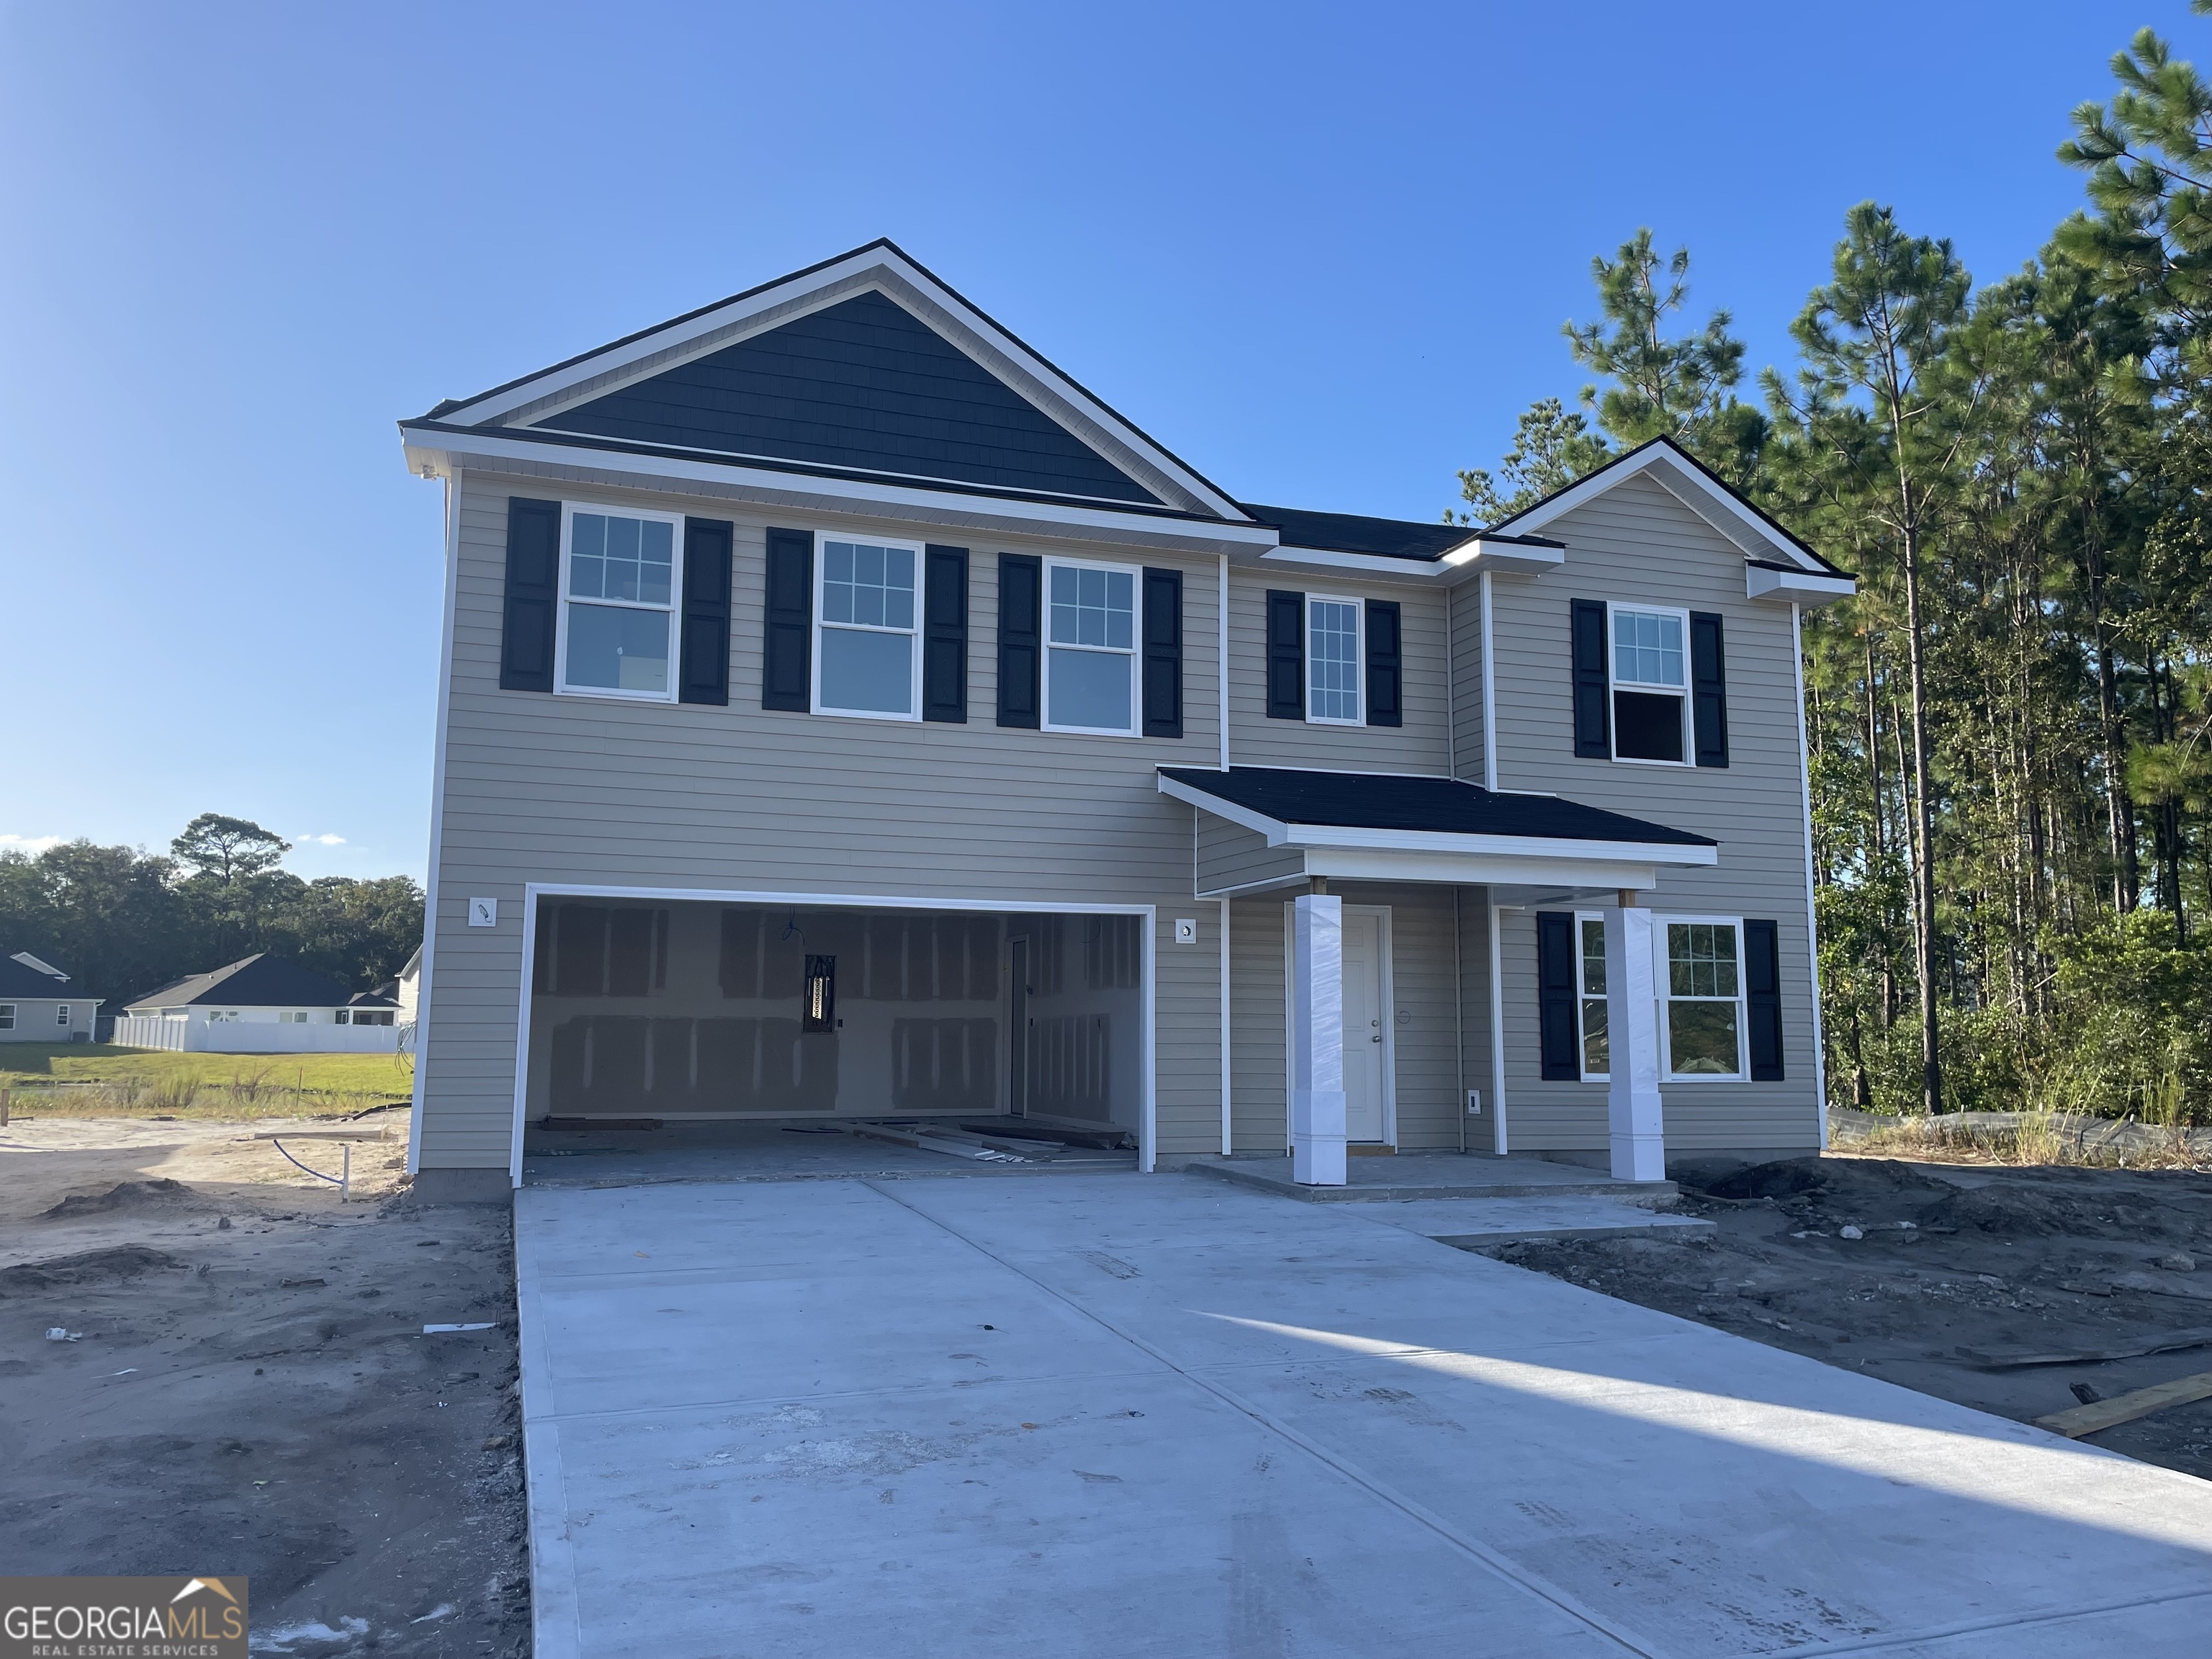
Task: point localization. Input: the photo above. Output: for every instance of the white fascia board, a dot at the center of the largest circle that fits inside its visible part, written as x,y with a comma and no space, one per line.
433,455
1710,502
1468,559
1534,850
1795,586
1375,564
1474,870
1503,559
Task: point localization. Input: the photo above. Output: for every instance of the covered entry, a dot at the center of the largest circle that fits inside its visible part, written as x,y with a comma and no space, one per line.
683,1009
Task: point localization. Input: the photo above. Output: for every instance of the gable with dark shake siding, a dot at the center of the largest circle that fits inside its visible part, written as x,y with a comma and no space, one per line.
860,383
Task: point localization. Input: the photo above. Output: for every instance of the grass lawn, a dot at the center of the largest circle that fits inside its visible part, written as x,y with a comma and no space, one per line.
150,1082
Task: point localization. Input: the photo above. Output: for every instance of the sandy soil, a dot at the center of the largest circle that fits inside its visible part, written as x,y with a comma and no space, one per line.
1994,1260
259,1398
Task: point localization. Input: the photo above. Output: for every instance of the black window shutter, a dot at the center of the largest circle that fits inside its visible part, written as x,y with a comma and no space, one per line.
788,623
1593,720
1709,689
1021,638
1286,656
944,635
1762,984
1163,665
704,673
1555,992
1386,675
533,580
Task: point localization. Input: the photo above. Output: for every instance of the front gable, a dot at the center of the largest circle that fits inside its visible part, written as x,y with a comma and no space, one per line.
862,383
866,368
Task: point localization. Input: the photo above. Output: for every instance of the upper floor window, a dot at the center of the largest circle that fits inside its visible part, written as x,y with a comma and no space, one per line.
1332,660
1650,684
1091,648
866,660
619,592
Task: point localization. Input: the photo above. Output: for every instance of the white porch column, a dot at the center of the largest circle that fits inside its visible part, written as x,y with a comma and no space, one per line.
1634,1114
1317,1041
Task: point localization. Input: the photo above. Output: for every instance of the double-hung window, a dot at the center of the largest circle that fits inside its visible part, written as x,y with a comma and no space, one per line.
1589,965
61,1014
1333,669
619,582
867,658
1702,993
293,1017
1091,648
1649,663
7,1016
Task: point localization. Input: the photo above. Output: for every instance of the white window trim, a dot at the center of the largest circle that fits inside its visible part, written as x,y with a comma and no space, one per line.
1359,656
821,540
1581,1050
1612,685
1660,923
7,1016
61,1014
675,608
1048,645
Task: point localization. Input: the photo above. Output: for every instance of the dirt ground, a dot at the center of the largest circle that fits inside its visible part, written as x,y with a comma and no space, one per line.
251,1390
1999,1261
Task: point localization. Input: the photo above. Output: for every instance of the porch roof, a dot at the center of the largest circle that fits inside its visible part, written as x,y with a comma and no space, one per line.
1395,825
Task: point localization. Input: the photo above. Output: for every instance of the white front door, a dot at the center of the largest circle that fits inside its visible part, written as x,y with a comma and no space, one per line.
1366,1048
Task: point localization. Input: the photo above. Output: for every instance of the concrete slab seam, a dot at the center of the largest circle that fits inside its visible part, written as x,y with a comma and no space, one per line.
555,1618
1481,1553
1971,1627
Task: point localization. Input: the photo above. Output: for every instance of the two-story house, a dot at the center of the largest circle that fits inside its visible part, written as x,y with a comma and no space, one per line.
845,713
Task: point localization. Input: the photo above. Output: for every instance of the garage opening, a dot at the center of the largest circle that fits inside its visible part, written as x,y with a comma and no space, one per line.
688,1011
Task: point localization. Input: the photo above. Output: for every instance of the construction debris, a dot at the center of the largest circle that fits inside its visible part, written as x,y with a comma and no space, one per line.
2093,1415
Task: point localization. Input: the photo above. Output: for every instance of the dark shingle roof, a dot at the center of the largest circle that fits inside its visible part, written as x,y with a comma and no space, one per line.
1384,800
1388,538
20,979
258,981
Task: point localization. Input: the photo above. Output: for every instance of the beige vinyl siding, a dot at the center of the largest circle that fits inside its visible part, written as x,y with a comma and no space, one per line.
635,795
1423,743
1260,1075
1230,855
1637,543
1464,609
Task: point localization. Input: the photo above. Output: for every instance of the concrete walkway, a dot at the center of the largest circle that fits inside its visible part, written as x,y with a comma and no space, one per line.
1117,1416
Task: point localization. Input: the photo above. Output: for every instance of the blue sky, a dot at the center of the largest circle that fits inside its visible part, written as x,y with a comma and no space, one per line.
1321,252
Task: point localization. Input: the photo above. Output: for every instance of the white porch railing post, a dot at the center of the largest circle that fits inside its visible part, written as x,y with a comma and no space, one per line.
1317,1041
1635,1115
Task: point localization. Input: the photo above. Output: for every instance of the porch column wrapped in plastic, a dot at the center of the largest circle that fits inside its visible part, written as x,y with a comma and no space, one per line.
1635,1117
1317,1133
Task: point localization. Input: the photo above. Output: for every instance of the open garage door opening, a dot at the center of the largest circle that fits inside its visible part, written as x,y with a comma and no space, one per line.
683,1011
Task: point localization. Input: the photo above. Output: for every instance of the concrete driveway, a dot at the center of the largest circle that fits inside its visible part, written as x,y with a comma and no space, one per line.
1119,1415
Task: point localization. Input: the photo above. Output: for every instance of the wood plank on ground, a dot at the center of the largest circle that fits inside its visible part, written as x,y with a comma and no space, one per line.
2126,1407
2171,1342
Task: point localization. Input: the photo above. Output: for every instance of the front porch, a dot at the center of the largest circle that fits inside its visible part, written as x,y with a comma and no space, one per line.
1372,1004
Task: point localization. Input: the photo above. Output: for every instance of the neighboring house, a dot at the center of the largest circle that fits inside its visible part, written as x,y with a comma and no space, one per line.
846,713
263,1004
406,991
39,1003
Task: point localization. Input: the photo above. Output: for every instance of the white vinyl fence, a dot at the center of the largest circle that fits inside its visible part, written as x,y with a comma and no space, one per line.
180,1033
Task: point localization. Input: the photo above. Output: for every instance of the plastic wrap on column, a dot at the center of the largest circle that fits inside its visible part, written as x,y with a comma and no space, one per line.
1317,1041
1636,1118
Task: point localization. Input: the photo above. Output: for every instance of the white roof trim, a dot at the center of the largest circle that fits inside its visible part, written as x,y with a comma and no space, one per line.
45,968
434,454
1540,848
1470,558
1799,587
1672,471
849,274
